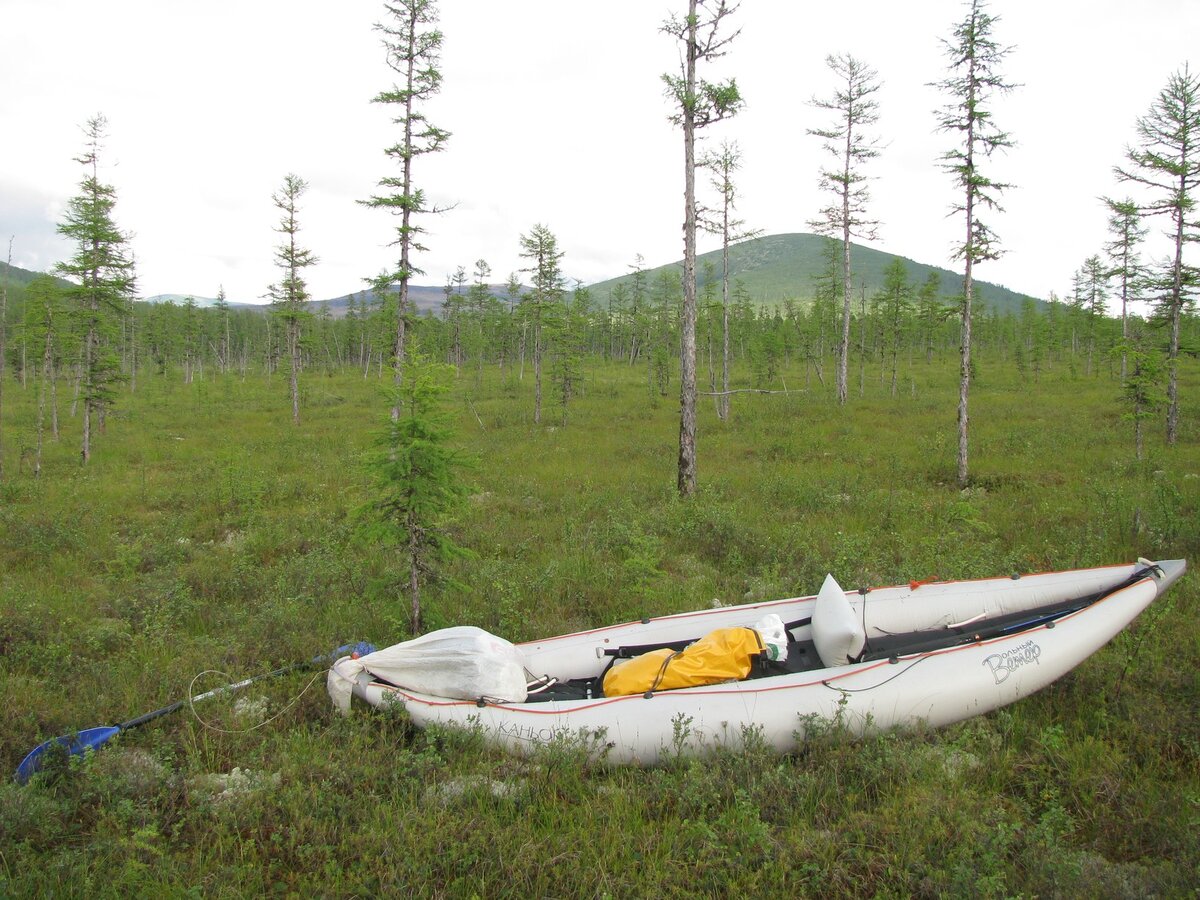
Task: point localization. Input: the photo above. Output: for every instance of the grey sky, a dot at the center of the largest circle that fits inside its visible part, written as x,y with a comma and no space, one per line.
558,117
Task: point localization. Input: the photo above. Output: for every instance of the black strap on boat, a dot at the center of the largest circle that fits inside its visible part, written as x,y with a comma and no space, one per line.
1000,626
632,650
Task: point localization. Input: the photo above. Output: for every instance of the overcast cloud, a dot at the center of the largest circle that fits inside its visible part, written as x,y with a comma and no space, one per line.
557,116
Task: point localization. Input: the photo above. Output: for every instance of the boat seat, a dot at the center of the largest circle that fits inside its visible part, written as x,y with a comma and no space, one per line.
836,630
801,657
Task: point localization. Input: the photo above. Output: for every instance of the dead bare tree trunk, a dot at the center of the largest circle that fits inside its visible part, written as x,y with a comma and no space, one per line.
695,110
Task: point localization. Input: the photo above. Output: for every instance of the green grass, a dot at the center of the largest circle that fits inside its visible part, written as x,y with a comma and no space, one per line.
209,534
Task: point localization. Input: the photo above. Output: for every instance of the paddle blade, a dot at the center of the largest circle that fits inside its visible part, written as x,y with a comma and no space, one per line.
74,744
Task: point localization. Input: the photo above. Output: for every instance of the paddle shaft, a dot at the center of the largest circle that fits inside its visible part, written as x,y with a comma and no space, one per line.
94,738
229,688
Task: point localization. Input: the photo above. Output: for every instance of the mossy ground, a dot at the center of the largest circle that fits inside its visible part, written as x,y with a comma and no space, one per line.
208,533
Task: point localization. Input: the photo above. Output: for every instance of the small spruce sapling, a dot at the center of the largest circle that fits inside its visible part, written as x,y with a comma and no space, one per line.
418,485
1143,389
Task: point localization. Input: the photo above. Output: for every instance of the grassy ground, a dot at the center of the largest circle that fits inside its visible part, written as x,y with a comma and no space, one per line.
209,534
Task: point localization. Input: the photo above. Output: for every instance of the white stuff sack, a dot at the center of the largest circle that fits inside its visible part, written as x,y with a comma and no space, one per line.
774,635
461,663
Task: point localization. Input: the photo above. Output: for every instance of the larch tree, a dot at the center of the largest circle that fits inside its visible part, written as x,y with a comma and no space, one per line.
515,324
974,82
639,321
413,45
418,484
290,296
102,276
1142,387
722,164
699,103
479,299
931,310
541,247
41,324
849,141
222,307
568,329
895,304
191,338
1166,163
1126,234
1094,275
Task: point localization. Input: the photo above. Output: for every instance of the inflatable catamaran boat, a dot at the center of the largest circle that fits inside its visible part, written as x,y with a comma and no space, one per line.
922,653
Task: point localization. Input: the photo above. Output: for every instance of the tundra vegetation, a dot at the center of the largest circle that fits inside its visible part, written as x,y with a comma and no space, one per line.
239,515
209,532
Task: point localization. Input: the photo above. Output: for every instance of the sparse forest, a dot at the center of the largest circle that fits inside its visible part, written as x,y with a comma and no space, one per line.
900,329
194,494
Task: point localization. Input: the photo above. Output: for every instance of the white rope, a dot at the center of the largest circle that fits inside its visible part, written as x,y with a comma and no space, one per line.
212,727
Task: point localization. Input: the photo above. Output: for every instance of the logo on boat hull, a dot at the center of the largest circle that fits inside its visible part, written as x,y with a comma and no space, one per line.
1001,665
526,733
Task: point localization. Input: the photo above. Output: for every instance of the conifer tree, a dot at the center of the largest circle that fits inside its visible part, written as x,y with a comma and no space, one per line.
418,484
1126,234
103,279
855,109
664,303
541,247
478,299
723,164
930,310
699,104
1142,388
895,306
514,325
413,45
290,296
827,290
42,320
453,303
1166,163
1094,293
974,81
191,339
639,321
567,332
222,307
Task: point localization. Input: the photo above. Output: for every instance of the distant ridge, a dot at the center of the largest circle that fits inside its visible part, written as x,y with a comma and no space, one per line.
423,298
777,267
772,268
203,302
20,278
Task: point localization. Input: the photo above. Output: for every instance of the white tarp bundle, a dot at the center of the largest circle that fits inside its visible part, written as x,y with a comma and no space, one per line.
462,663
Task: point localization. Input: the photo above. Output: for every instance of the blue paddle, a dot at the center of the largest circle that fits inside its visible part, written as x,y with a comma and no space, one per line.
80,742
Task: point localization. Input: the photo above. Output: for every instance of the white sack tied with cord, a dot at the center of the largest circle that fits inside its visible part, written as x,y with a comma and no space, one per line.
461,663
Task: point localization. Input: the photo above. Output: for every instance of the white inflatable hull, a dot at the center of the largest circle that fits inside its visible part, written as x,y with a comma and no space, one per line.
933,688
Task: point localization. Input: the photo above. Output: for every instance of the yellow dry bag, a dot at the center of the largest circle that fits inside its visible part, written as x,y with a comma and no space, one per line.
722,655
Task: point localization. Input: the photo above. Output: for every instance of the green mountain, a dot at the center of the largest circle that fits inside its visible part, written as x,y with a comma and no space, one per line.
16,279
782,266
15,276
